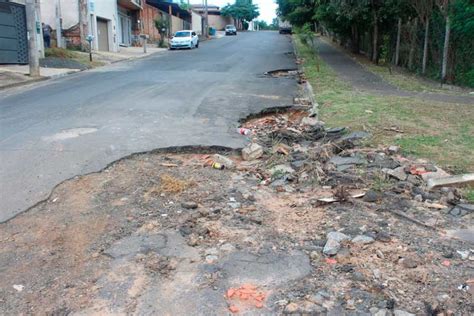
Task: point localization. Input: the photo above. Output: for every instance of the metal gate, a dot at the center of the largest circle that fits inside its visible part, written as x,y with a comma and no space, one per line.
13,38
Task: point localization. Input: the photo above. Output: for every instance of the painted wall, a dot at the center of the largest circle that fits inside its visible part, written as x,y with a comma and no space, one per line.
107,10
196,22
69,13
219,22
176,24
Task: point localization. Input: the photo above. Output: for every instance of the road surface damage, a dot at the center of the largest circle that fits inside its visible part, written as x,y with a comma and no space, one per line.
306,219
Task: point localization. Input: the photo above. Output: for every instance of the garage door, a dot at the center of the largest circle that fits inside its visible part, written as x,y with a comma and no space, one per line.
13,40
103,35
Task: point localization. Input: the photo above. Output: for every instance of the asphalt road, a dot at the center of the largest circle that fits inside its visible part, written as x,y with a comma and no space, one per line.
79,124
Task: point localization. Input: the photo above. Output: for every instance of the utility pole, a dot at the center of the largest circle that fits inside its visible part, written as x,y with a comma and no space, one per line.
41,40
84,24
206,19
32,26
59,38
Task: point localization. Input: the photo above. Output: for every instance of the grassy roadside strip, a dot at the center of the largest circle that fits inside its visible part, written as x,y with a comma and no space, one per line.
80,57
440,132
399,78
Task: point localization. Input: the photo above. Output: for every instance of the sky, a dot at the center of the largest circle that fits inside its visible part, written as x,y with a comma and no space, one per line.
267,8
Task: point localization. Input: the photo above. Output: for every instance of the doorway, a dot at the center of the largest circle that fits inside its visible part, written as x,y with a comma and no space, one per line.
102,34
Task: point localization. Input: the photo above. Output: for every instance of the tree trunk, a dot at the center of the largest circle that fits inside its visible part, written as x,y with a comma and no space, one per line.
411,54
425,46
446,49
354,39
397,48
375,50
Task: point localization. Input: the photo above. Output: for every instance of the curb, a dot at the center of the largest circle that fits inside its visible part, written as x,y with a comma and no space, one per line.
44,78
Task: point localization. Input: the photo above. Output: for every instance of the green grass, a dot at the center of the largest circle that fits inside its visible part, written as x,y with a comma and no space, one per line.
441,132
468,194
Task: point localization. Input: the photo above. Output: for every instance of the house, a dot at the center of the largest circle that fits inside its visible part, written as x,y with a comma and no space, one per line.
113,23
215,18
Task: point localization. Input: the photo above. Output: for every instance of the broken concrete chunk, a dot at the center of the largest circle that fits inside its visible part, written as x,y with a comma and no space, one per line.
225,161
333,245
356,136
435,173
310,121
399,312
338,236
252,151
339,161
398,173
460,180
462,209
362,239
393,149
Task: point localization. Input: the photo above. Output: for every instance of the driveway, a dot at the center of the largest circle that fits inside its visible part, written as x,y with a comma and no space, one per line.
79,124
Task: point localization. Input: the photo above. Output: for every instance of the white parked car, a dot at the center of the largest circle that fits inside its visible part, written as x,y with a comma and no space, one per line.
184,39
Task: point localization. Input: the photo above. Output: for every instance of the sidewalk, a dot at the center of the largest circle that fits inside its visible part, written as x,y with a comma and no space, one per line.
16,75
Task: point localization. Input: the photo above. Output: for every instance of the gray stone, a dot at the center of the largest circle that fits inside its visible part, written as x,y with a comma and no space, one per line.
331,247
343,163
189,205
398,173
393,149
333,243
310,121
462,209
356,136
338,236
371,196
362,239
252,151
297,164
225,161
382,161
399,312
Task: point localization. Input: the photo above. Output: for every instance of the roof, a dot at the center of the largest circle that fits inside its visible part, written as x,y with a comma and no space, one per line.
164,6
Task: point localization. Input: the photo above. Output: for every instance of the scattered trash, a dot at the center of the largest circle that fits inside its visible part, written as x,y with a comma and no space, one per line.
18,287
218,166
223,161
247,295
244,131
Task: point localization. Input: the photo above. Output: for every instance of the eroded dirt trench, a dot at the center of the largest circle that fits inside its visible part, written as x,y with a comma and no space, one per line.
308,228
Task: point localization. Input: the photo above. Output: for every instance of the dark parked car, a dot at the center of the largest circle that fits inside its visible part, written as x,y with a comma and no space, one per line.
230,30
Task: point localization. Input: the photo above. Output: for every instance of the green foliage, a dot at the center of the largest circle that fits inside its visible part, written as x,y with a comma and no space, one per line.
162,26
184,5
262,25
353,23
243,10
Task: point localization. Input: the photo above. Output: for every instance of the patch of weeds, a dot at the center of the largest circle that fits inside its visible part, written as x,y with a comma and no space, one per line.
60,53
380,183
468,194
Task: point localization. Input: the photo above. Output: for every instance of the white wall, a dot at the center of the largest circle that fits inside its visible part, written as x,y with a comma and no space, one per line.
196,22
69,12
105,9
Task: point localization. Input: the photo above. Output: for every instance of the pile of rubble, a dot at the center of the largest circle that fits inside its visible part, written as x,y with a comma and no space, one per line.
305,220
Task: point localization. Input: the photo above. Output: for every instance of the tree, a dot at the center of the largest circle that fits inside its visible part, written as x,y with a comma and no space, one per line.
444,6
241,10
162,26
424,8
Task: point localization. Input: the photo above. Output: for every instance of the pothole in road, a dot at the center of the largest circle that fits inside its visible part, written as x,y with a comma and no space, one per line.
282,73
70,133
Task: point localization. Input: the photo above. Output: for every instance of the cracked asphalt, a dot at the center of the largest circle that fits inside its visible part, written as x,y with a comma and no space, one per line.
76,125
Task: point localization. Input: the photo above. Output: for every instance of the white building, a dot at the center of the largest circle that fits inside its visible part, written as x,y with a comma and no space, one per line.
102,20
